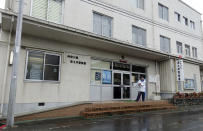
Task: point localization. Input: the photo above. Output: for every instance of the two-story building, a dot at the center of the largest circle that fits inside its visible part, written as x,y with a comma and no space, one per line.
77,51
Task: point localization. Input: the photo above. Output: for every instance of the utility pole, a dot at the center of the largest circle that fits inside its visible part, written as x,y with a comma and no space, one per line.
13,85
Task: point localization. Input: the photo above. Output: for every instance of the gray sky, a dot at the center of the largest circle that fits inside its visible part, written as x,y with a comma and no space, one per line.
196,4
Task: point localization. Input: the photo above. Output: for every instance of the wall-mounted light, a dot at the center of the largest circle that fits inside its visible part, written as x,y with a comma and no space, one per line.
11,58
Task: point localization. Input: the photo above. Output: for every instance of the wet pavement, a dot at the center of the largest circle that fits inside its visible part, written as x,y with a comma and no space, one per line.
156,121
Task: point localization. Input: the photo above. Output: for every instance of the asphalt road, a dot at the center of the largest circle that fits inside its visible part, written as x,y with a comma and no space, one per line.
141,122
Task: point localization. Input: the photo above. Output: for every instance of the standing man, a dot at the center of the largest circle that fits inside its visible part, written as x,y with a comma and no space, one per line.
142,90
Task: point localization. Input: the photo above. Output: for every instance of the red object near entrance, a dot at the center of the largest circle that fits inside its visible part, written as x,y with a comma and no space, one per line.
3,126
180,56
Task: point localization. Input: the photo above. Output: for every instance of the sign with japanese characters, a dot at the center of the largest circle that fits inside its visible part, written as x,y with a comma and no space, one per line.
180,70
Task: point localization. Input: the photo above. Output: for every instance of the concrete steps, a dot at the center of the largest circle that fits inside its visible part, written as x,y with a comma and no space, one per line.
119,108
94,110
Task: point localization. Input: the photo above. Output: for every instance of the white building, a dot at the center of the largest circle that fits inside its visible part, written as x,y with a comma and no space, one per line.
96,50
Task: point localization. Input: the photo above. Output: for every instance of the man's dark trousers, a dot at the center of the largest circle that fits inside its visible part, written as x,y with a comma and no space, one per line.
143,96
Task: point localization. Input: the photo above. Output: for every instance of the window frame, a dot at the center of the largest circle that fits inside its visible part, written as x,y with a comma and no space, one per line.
193,83
103,15
179,16
194,54
169,43
140,28
163,7
189,50
192,24
45,52
184,19
137,2
62,11
178,45
101,72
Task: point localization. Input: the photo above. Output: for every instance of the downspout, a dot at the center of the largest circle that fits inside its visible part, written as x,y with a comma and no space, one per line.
6,68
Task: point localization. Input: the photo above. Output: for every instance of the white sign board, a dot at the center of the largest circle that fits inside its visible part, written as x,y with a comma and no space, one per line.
180,70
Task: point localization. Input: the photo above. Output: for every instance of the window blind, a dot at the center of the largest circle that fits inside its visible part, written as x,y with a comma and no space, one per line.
102,25
39,9
139,36
165,44
55,11
50,10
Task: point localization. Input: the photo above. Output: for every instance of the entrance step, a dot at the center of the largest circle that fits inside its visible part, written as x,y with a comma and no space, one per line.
94,110
119,108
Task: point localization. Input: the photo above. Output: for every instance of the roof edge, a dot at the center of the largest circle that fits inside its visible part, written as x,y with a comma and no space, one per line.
190,7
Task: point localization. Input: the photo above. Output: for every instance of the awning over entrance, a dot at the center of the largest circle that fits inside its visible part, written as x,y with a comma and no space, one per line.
43,29
52,31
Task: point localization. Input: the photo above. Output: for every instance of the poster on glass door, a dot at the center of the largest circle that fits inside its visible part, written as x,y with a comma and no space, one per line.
106,77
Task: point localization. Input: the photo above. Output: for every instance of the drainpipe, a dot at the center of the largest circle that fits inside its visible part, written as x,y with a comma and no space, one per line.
6,68
156,71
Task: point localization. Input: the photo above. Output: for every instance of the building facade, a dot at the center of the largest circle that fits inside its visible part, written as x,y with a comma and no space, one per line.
76,51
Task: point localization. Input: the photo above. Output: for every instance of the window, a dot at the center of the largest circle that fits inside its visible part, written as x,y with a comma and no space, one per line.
101,72
165,44
50,10
185,21
189,84
42,66
187,50
139,36
179,47
139,3
163,12
194,52
177,17
102,25
192,25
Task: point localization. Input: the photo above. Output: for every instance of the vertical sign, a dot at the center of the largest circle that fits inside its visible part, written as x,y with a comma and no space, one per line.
180,70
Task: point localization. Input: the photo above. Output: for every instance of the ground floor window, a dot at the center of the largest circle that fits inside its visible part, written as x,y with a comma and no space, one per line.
101,72
42,66
189,84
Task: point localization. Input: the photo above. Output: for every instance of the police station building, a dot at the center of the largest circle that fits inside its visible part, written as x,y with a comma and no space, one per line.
77,51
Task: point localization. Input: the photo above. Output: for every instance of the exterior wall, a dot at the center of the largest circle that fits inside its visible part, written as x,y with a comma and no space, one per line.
3,61
167,78
74,85
194,74
4,38
125,15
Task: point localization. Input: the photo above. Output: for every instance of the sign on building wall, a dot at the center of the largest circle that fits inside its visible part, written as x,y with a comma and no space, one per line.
106,77
180,70
76,59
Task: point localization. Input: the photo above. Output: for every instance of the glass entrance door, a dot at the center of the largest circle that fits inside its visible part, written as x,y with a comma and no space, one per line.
121,89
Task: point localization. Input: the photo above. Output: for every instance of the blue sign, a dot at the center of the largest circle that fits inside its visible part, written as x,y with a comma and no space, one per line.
106,77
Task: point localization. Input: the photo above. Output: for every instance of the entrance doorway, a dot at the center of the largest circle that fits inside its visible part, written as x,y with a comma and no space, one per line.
121,89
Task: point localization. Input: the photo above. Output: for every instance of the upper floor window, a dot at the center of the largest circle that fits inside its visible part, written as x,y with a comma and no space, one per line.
165,44
179,47
102,25
192,24
42,66
194,52
163,12
50,10
139,36
177,17
185,21
139,3
187,50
